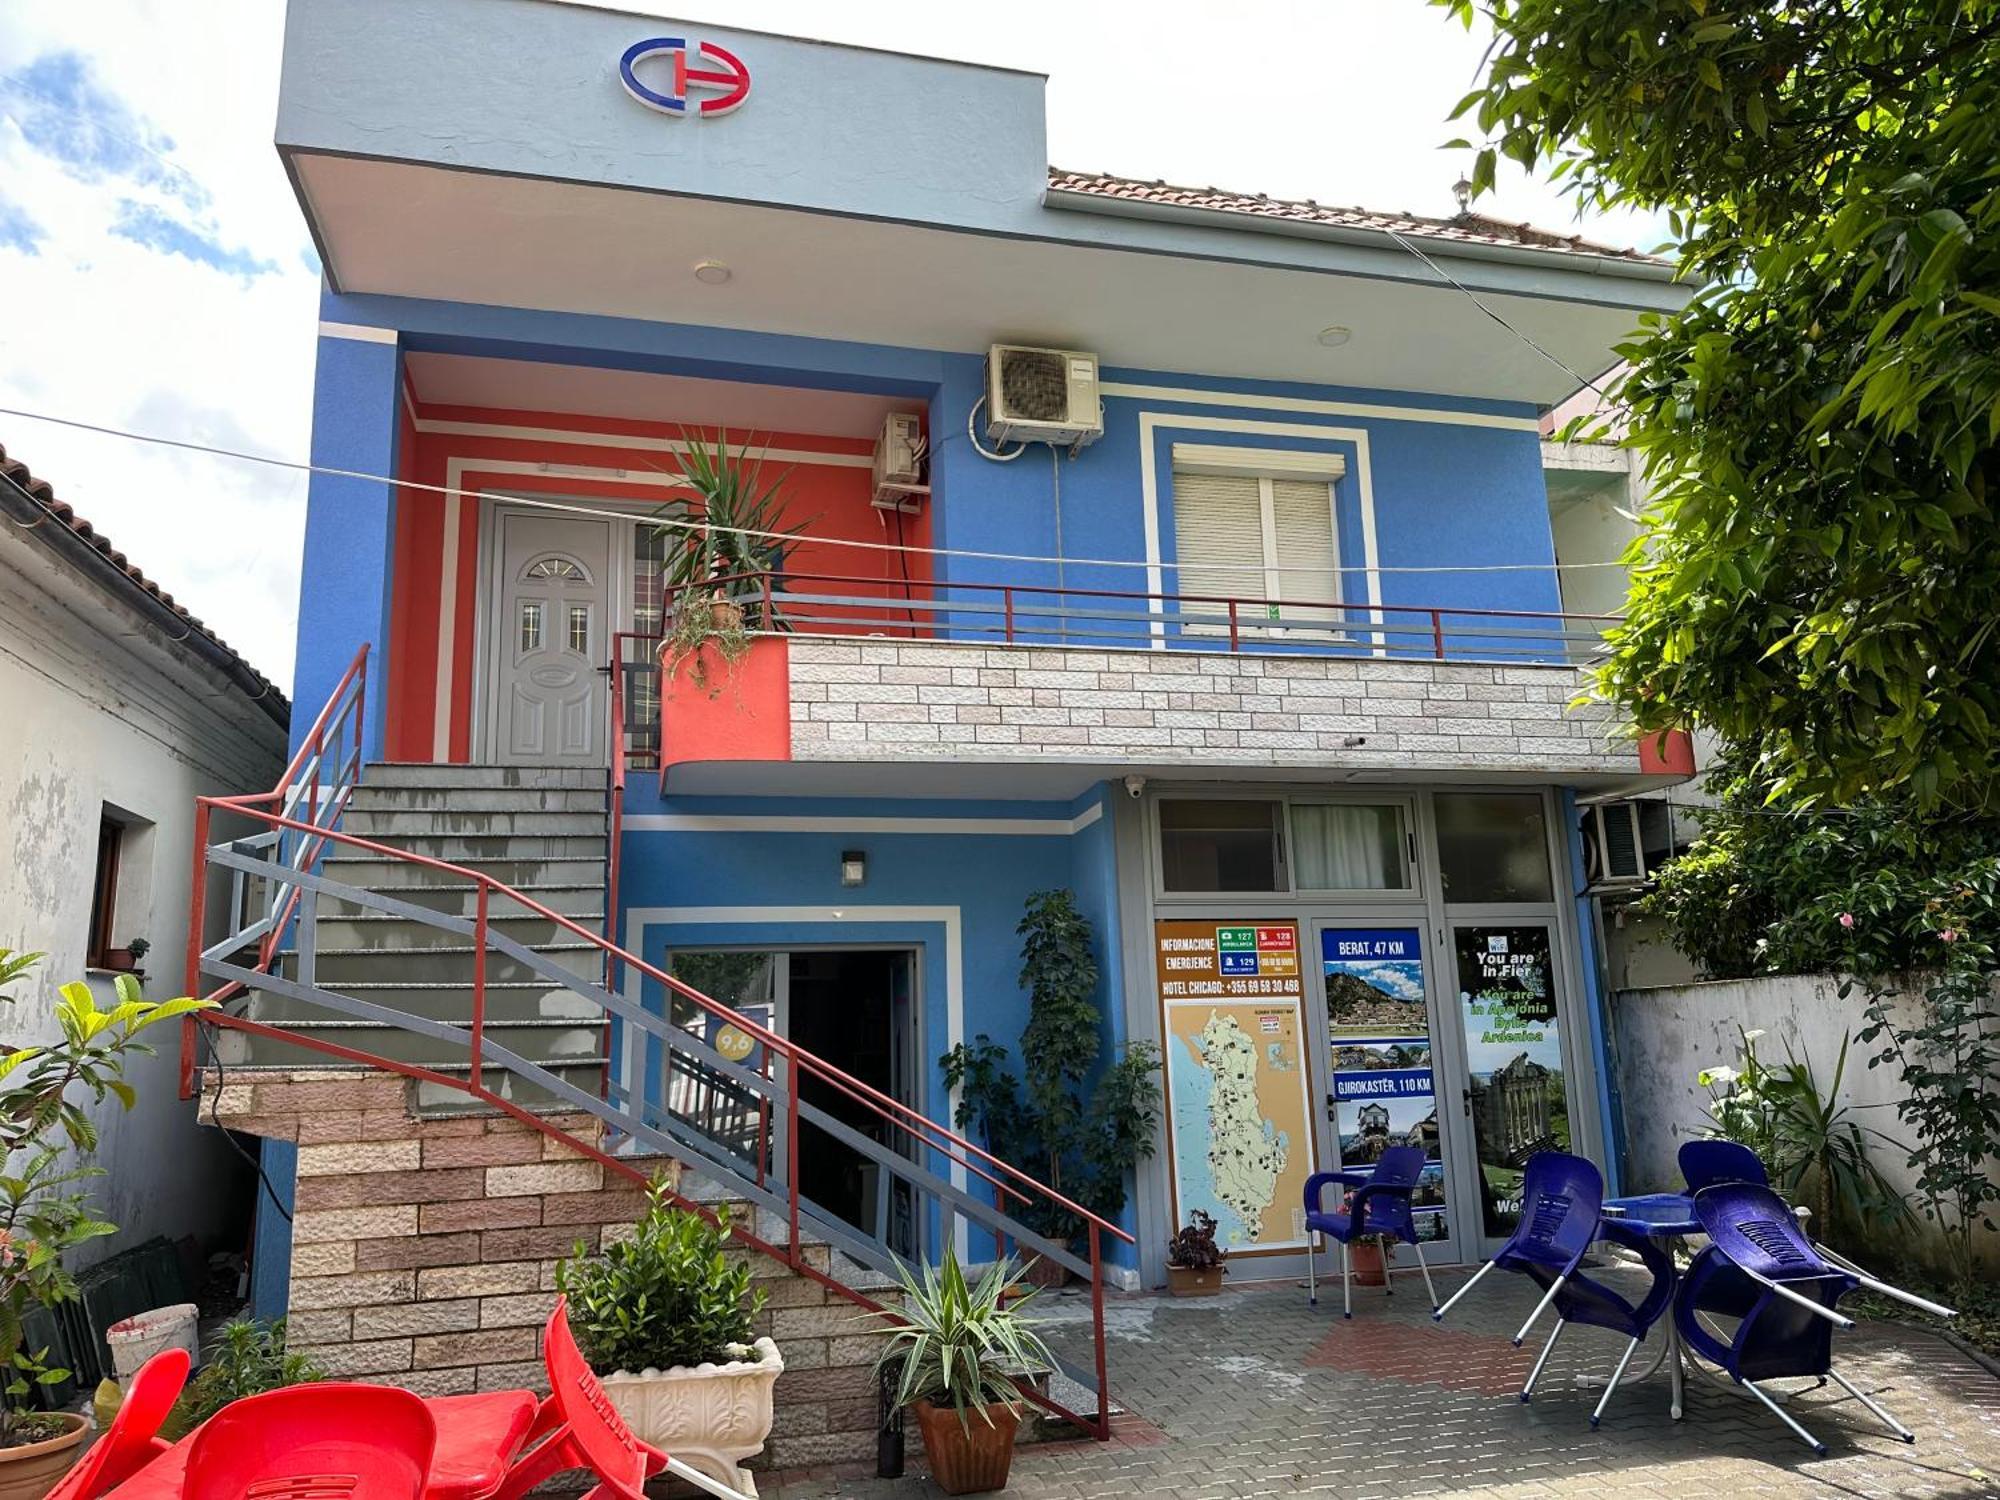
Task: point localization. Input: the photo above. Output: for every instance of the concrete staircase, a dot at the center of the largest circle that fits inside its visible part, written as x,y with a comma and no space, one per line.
539,830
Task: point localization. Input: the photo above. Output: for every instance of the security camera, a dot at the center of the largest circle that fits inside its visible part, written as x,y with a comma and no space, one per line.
1135,787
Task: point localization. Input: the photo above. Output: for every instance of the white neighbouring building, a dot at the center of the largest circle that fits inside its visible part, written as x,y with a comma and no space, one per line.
117,709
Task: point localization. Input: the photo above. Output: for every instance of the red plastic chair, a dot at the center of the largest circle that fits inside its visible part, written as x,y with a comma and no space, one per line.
478,1439
579,1428
315,1442
132,1440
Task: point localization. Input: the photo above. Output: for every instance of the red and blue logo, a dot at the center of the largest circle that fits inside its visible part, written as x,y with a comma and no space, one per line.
728,79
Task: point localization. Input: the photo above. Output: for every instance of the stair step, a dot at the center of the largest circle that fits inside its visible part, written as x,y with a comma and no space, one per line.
452,963
425,774
463,822
377,799
580,900
340,933
552,1044
480,849
523,872
506,1003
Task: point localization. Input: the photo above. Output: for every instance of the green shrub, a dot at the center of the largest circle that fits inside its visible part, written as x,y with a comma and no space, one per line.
960,1344
251,1359
670,1295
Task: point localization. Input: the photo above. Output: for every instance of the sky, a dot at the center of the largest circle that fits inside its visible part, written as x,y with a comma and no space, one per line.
156,274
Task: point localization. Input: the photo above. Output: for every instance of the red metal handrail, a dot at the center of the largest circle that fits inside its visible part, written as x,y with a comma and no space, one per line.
1008,1182
1227,610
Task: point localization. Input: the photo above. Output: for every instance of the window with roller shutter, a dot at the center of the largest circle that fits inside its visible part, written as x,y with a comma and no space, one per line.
1267,540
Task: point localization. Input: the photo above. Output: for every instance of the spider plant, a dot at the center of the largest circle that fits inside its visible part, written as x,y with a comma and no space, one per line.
961,1343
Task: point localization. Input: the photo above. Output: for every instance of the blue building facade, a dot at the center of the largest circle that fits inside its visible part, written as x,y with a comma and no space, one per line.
1270,672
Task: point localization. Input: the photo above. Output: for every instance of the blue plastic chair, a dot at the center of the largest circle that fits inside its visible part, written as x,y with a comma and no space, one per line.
1705,1163
1379,1205
1583,1299
1562,1202
1787,1328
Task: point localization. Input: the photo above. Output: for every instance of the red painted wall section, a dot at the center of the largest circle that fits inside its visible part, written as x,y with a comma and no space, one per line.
623,465
739,711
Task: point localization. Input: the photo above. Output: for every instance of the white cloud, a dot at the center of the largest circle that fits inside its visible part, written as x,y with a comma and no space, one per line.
1341,102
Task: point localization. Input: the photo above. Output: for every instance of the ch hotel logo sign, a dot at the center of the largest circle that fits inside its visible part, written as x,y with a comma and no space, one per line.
682,68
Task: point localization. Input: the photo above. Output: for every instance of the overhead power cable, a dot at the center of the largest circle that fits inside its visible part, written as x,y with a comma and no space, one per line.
701,527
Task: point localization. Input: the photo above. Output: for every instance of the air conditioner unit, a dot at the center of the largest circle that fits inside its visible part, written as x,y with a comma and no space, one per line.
899,460
1613,852
1042,396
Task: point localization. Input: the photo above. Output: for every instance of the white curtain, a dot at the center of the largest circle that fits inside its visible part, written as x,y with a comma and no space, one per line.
1348,847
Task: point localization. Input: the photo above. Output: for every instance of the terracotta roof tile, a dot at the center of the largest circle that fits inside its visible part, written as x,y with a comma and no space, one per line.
44,492
1467,228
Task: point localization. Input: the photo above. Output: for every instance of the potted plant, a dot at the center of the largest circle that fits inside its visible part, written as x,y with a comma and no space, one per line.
128,958
735,542
1082,1138
667,1320
251,1359
1194,1260
45,1132
954,1351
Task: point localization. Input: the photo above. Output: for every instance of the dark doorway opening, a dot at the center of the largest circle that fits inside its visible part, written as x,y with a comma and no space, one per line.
854,1008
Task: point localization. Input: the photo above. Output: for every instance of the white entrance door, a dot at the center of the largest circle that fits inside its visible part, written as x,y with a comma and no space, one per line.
549,639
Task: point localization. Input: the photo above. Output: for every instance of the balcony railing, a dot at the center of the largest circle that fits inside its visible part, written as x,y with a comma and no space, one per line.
1022,614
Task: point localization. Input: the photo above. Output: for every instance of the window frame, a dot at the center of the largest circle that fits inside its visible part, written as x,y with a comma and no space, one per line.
102,934
1266,466
1416,853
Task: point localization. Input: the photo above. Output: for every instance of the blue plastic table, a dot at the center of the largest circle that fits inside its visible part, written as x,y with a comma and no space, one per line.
1669,1217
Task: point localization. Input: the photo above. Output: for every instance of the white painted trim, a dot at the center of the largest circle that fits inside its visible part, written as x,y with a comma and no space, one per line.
591,438
639,918
780,823
447,632
1220,458
1247,401
1149,485
359,332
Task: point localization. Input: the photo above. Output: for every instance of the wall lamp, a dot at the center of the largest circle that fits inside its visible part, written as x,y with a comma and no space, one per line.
853,866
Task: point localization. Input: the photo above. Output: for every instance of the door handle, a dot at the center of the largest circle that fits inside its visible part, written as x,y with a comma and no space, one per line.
1466,1094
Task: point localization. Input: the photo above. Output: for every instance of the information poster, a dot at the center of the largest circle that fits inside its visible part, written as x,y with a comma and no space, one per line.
1384,1091
1513,1048
1239,1112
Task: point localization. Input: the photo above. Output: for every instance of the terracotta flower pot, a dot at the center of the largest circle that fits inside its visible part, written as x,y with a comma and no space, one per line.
1045,1273
1368,1265
969,1459
30,1471
725,613
1186,1281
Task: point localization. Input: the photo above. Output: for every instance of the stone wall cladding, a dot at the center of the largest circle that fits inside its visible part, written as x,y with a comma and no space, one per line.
855,699
424,1253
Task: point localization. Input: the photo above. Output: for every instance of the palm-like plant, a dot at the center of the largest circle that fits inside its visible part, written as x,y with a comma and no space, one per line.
737,534
961,1343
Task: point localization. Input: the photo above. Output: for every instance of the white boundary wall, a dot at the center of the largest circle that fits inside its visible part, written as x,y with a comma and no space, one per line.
1664,1037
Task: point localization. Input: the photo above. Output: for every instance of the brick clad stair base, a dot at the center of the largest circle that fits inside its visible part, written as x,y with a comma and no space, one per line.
424,1252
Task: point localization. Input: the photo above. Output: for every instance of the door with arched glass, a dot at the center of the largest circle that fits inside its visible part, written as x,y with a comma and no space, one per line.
549,640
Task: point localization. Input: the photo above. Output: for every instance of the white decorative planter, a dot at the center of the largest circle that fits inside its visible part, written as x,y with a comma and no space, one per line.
710,1416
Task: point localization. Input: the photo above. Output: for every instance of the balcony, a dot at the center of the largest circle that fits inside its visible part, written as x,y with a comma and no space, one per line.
995,675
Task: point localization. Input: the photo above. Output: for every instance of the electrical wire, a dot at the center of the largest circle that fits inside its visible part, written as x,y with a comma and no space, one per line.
972,437
701,527
215,1119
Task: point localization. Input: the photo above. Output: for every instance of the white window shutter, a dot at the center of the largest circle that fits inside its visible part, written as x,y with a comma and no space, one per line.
1307,564
1218,539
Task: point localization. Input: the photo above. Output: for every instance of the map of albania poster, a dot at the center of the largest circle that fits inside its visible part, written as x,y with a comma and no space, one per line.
1239,1119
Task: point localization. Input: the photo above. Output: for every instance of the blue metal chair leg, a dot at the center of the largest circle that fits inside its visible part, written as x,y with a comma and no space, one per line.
1887,1421
1612,1385
1312,1283
1346,1294
1784,1416
1528,1390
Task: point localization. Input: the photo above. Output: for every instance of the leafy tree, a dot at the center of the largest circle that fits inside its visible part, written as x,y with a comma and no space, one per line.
1081,1139
1821,576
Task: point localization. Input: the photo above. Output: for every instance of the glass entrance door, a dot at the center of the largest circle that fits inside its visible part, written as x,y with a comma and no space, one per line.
1379,991
1515,1097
